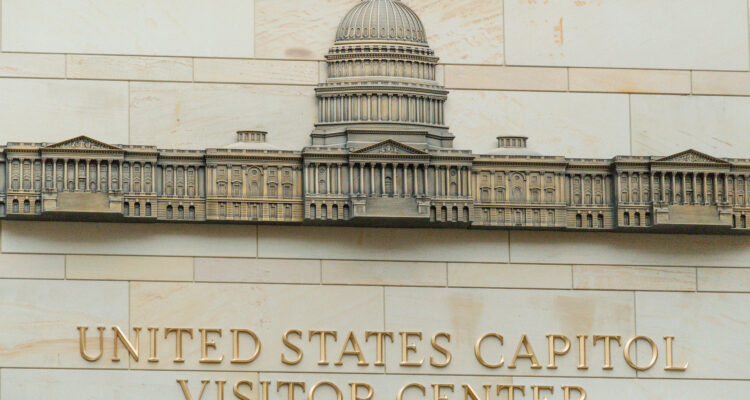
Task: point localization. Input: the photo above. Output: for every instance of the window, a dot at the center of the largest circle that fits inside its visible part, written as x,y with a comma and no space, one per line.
191,213
169,212
579,221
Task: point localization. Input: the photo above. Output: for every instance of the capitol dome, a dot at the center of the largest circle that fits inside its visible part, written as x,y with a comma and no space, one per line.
382,21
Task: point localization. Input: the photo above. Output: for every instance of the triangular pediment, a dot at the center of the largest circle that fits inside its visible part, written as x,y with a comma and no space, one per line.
81,143
692,157
389,147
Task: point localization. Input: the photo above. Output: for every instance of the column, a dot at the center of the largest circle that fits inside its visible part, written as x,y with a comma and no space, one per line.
315,179
382,179
694,199
461,181
372,179
361,186
338,182
726,188
716,189
350,171
437,180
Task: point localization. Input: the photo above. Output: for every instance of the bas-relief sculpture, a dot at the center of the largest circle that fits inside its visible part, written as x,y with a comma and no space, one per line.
380,155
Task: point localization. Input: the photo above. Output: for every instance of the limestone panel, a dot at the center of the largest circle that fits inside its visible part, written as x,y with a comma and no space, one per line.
256,71
510,276
470,313
40,319
710,331
628,34
465,31
54,110
32,266
268,310
383,244
130,68
32,65
505,78
633,278
629,80
668,124
570,124
384,273
196,116
628,249
129,268
128,239
257,270
118,385
724,279
721,83
200,28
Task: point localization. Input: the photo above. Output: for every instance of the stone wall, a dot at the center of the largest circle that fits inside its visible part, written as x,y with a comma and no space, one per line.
584,78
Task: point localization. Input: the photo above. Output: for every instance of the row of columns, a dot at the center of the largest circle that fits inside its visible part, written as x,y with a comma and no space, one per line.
380,107
505,183
603,189
213,181
414,179
381,67
682,190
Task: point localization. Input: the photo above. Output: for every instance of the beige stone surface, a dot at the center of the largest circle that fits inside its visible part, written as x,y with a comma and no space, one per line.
510,276
721,83
268,310
54,110
383,244
222,28
628,33
257,270
128,239
465,31
288,72
117,385
724,279
470,313
488,77
181,115
129,268
629,81
633,278
32,266
570,124
32,65
384,273
39,320
710,331
130,68
664,125
629,249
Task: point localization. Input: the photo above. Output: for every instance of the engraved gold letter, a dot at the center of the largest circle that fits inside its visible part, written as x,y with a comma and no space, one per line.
290,388
209,344
581,392
511,389
469,392
355,390
654,353
537,389
239,394
311,395
607,348
178,341
437,388
553,352
529,354
236,346
416,385
323,352
356,351
186,391
120,337
407,347
379,345
292,347
670,356
442,350
82,343
582,363
478,350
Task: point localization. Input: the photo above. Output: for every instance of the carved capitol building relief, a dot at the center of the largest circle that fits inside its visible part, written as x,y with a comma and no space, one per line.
381,154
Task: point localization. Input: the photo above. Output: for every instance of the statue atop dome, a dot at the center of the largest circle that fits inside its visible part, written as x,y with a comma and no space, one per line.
381,82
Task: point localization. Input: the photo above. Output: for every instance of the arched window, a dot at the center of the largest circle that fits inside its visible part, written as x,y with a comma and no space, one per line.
191,213
454,214
37,206
324,212
126,209
26,206
433,214
15,206
148,209
589,221
466,214
180,212
137,209
335,212
637,219
444,214
600,221
346,212
626,219
312,211
579,221
743,222
169,212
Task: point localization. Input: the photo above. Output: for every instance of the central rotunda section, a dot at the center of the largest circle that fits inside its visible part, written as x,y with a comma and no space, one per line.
381,82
